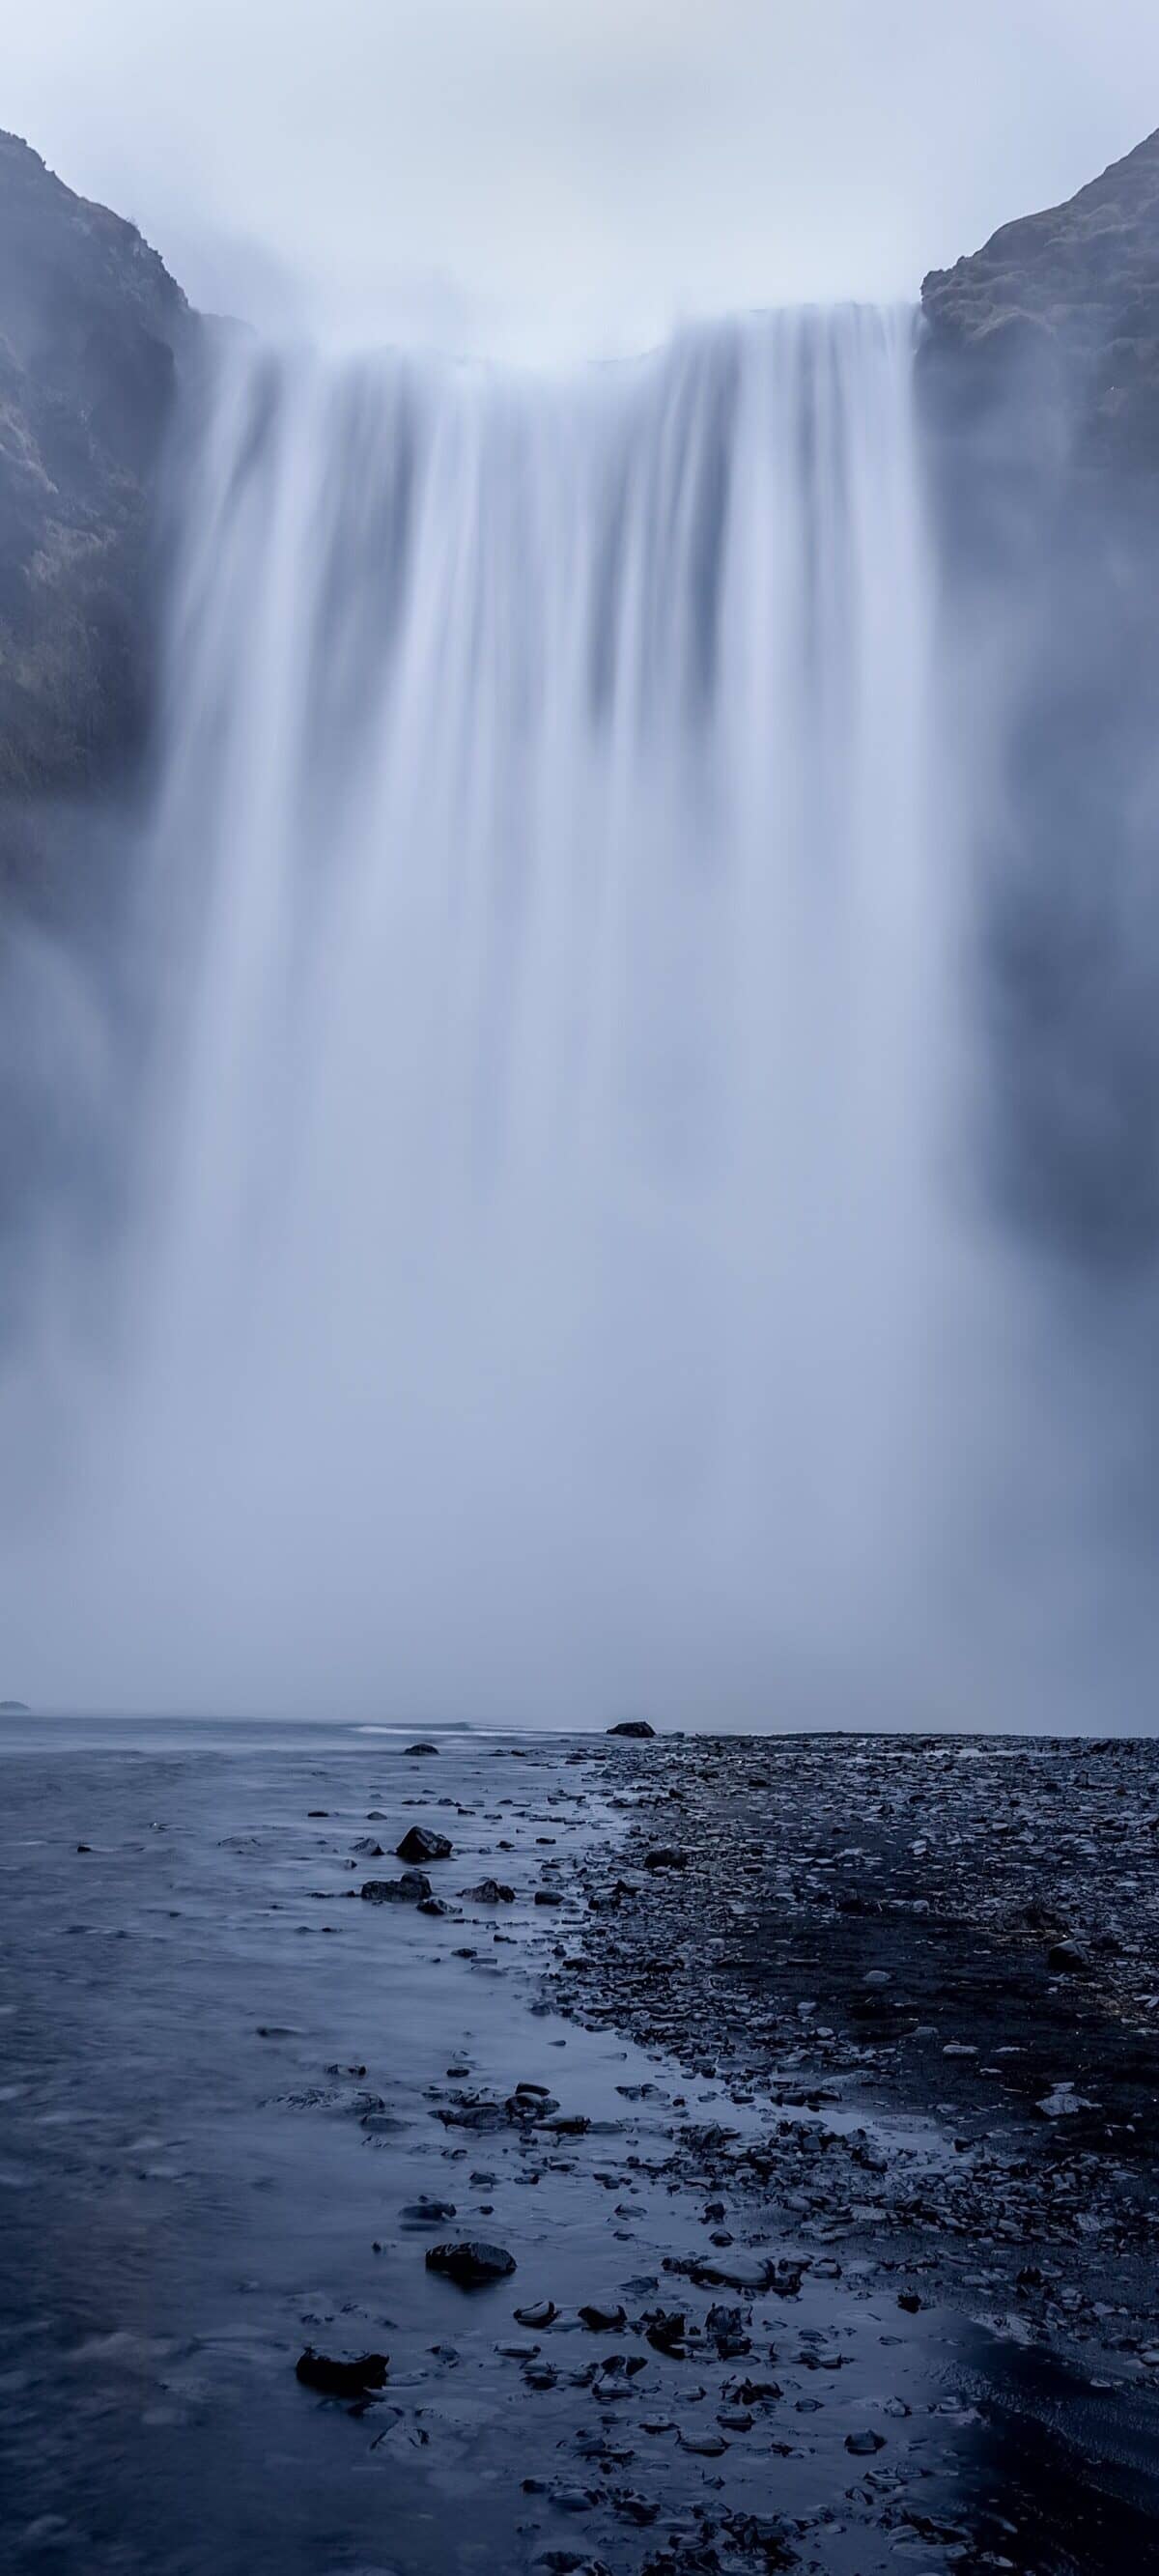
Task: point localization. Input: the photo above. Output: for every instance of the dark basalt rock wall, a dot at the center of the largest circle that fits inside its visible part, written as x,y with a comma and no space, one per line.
93,337
1039,379
1064,304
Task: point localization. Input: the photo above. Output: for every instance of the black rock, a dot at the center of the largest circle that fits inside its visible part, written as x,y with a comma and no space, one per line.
636,1727
543,2313
342,2378
472,2263
413,1888
666,2329
491,1891
1066,1959
603,2320
664,1858
863,2445
528,2107
757,2392
727,2329
421,1844
415,1749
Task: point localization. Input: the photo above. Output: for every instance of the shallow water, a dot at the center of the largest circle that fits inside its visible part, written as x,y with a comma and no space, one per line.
222,2091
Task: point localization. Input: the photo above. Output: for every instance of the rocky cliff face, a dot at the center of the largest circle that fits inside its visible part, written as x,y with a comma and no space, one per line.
1040,376
1063,306
93,334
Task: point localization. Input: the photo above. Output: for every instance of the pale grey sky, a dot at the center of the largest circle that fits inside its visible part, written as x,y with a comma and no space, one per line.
540,174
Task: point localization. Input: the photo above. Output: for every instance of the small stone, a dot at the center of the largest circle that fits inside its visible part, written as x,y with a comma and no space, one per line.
413,1888
472,2264
341,2378
421,1844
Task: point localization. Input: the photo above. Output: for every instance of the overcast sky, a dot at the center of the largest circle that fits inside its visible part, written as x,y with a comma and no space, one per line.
537,173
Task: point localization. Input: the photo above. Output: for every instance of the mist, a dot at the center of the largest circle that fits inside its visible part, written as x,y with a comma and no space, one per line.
578,1113
540,178
572,1199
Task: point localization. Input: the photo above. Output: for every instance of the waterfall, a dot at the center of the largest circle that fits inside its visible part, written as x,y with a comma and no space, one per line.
537,1192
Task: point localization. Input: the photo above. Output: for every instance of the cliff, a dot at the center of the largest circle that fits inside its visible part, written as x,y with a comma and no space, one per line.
1063,306
93,332
1040,375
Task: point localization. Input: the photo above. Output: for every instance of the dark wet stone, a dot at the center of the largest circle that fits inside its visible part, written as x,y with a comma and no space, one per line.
474,2110
863,2445
1066,1959
727,2328
761,2537
426,2212
570,2562
665,1857
603,2320
528,2105
491,1891
413,1888
341,2378
472,2263
635,1727
631,2507
548,1896
543,2312
415,1750
666,2330
421,1844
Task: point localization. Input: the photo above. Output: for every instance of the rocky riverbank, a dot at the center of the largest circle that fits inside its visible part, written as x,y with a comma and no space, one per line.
714,2155
962,1933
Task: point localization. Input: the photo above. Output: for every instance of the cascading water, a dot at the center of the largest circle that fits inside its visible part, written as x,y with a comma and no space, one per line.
532,1286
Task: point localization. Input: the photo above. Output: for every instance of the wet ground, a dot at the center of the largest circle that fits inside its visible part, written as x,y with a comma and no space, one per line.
855,2186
